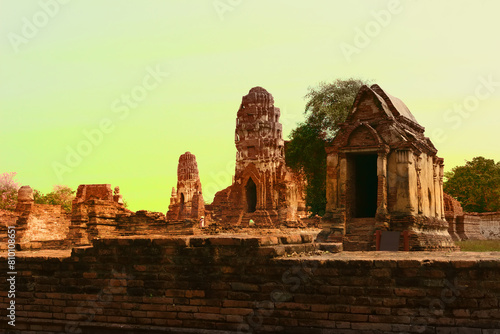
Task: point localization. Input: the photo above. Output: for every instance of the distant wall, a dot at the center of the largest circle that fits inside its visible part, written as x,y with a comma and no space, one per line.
468,227
488,223
239,285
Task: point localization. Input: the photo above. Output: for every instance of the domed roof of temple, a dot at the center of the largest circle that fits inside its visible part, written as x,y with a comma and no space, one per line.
187,168
396,105
257,95
258,89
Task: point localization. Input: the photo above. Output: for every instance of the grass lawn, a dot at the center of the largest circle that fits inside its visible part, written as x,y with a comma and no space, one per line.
479,245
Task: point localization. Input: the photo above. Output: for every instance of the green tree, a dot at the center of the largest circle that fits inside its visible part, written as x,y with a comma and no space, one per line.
476,185
8,191
326,108
61,195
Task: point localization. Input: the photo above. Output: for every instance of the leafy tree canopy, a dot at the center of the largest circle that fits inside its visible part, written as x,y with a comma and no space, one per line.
476,185
8,191
326,108
328,104
61,195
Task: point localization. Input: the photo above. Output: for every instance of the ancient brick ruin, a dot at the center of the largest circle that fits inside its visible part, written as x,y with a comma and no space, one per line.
187,202
97,213
105,269
383,174
214,284
38,226
264,189
470,225
489,224
452,213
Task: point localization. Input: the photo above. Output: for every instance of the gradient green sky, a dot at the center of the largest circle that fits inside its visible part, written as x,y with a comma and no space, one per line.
67,76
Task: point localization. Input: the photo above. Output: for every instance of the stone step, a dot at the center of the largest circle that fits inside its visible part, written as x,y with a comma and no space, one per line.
360,233
363,220
357,240
358,245
360,230
331,247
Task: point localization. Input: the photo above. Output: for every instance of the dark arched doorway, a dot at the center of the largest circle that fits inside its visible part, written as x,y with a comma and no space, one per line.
365,185
181,207
251,190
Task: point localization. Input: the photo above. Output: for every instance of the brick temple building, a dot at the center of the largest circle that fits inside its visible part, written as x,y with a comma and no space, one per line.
264,189
383,174
187,201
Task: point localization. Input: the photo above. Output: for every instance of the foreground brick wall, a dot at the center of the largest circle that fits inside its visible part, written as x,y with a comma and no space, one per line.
251,285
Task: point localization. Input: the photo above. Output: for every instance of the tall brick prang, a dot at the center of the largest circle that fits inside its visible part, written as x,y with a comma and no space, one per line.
187,201
264,190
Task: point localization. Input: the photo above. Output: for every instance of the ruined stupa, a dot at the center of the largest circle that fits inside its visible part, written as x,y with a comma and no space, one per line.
187,201
264,189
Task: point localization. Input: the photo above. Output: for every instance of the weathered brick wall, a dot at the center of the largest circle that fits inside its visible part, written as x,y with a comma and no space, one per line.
39,226
240,284
47,222
489,225
452,210
7,218
469,226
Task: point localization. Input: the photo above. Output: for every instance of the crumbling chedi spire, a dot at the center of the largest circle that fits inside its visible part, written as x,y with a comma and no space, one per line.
264,190
187,202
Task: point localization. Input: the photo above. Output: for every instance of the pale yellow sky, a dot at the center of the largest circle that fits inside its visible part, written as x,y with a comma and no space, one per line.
114,91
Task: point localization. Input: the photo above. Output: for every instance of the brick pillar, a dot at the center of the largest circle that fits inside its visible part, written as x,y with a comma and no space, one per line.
333,222
382,183
441,174
404,202
332,189
343,181
382,215
25,202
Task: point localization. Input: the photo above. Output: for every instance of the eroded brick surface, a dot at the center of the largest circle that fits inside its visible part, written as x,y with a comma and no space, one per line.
264,191
229,283
383,174
485,225
187,201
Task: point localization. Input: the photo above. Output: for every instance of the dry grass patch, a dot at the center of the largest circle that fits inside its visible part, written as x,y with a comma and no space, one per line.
479,245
